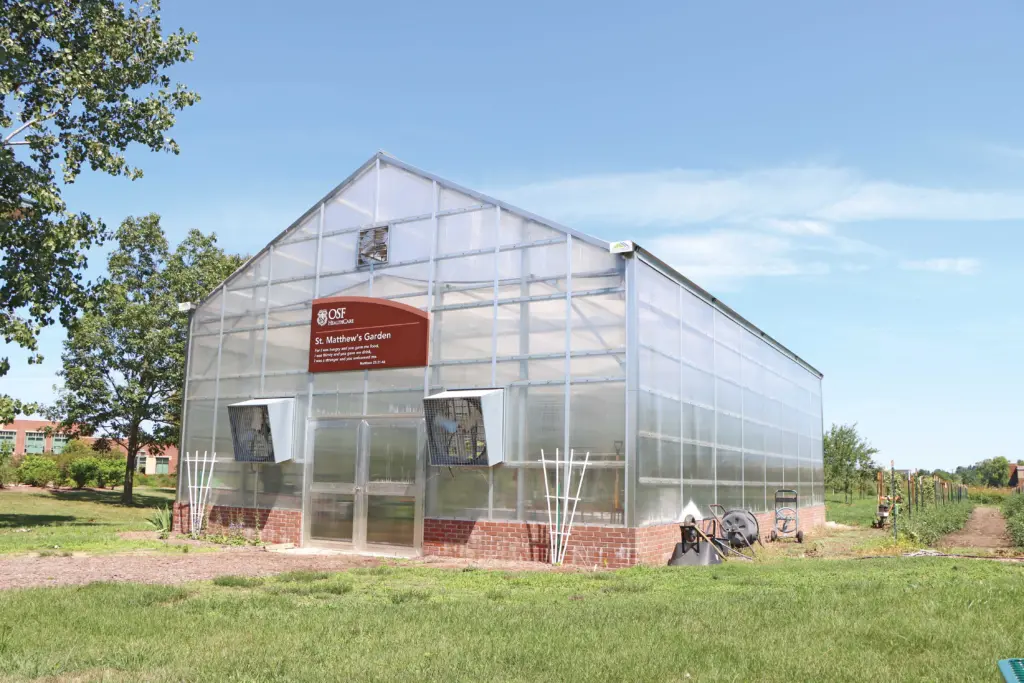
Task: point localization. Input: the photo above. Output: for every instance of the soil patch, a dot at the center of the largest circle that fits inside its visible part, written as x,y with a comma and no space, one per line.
22,571
985,529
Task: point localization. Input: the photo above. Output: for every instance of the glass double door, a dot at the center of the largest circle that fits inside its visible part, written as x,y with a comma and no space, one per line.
365,486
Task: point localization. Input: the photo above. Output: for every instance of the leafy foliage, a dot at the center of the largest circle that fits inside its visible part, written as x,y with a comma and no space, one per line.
1013,511
8,472
161,519
929,524
37,470
110,472
990,472
847,458
79,83
124,361
84,471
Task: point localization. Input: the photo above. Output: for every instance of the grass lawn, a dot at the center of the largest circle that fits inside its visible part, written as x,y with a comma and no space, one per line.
898,619
69,521
861,512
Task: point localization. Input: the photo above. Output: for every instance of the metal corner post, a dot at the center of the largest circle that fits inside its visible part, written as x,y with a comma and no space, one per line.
184,399
632,388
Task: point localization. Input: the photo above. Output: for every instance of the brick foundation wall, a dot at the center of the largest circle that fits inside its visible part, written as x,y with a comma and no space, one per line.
600,546
276,525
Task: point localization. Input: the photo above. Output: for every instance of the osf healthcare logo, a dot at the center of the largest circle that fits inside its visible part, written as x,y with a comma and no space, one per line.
327,317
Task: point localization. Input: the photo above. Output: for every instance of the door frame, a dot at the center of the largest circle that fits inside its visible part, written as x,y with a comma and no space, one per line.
359,488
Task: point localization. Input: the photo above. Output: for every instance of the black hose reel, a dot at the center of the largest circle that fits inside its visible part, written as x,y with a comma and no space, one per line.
731,534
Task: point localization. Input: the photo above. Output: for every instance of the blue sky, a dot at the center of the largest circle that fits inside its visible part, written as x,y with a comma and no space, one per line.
849,176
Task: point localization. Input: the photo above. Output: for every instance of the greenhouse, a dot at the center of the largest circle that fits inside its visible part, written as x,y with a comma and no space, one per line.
313,371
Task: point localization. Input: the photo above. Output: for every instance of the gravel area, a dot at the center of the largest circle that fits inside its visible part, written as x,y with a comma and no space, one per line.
26,571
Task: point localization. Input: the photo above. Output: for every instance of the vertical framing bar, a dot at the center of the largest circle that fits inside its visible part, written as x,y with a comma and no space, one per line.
568,357
425,486
431,271
682,422
743,427
632,387
184,399
376,217
714,377
266,318
494,347
522,400
216,385
307,448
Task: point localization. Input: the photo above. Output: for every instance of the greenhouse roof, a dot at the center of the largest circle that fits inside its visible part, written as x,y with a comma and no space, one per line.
647,256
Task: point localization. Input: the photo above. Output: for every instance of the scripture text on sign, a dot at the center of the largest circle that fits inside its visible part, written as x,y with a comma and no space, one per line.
361,333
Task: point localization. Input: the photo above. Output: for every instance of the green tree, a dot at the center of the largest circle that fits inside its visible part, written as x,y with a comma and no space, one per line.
80,81
124,360
847,458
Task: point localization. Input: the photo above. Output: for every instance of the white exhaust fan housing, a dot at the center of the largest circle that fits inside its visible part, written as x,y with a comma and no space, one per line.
261,429
466,428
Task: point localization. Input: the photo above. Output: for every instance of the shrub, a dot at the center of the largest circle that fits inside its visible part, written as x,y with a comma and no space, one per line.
8,472
165,481
111,472
84,471
37,470
1013,511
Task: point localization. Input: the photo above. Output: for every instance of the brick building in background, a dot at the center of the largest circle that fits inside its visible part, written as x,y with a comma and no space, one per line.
31,437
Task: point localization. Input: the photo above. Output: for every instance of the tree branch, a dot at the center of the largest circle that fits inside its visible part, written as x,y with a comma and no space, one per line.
19,129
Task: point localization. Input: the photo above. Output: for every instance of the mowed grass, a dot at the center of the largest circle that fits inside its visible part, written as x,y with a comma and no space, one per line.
892,619
58,522
861,512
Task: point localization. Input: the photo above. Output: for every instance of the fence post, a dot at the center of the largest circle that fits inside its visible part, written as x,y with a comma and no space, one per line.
892,490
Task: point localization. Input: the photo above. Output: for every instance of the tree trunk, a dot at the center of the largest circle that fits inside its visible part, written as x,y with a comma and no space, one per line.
129,473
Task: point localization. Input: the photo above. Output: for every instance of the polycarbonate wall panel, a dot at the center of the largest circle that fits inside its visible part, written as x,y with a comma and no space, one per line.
513,303
723,417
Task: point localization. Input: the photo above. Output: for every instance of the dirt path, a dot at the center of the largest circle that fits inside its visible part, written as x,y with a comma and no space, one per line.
25,571
985,529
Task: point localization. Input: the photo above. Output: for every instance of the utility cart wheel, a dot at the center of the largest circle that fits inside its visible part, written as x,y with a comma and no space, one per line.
799,537
774,535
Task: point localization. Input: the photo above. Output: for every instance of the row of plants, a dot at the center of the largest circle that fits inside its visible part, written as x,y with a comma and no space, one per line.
928,524
926,513
1013,511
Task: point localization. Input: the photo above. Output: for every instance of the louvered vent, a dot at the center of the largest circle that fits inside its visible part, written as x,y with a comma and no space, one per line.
261,430
373,246
465,427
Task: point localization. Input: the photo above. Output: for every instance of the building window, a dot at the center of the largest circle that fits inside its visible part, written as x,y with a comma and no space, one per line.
163,465
140,462
59,442
35,442
7,436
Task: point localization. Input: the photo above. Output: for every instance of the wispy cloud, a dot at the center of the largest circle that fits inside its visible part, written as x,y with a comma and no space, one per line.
958,266
797,200
719,258
763,223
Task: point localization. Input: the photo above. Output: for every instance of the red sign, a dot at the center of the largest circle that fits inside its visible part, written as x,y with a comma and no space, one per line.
360,333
